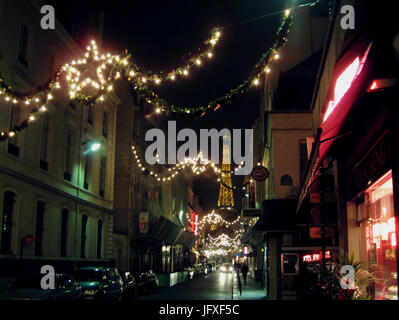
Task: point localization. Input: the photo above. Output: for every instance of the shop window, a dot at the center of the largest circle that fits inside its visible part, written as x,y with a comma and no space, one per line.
7,221
377,211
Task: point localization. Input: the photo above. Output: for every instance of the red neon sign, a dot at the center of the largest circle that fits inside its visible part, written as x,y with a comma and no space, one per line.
344,82
315,257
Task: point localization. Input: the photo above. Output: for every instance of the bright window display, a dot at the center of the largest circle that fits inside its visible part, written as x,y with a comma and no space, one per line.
381,237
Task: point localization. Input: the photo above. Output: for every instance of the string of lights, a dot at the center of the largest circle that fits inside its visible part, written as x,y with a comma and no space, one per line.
89,87
214,219
197,164
262,67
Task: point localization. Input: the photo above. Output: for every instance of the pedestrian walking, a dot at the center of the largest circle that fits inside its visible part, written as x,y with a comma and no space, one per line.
244,270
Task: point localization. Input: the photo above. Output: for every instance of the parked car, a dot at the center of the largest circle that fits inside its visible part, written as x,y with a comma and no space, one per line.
147,282
130,287
100,283
226,267
27,287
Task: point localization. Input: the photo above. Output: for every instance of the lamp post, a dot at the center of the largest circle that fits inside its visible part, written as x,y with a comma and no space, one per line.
90,146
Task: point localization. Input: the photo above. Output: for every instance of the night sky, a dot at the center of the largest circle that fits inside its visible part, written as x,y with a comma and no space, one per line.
159,34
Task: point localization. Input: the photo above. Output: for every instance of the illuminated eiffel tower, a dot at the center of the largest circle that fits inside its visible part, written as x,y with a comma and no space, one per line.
226,199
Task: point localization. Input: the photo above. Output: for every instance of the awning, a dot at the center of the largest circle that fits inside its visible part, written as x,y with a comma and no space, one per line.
165,231
350,78
186,239
278,215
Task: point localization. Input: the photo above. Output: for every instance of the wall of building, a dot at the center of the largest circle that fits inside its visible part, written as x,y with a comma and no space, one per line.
288,130
24,174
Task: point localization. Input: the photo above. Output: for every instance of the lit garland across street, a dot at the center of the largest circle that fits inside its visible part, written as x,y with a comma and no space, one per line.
103,69
197,165
262,67
213,219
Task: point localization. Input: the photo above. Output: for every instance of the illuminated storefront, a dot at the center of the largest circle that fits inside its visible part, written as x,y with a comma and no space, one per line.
357,146
374,213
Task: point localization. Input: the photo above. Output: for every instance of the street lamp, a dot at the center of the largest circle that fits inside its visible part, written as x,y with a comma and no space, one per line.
90,146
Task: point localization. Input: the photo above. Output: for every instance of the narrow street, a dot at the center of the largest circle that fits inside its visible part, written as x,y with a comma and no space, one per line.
213,286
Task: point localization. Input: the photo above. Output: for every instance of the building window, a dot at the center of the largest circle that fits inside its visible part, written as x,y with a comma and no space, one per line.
99,238
44,143
103,164
39,230
87,171
105,123
64,232
286,180
68,160
14,121
303,158
376,218
90,114
7,221
83,237
23,45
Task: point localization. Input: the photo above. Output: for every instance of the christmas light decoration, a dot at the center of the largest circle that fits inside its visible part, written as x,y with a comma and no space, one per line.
214,219
101,70
198,165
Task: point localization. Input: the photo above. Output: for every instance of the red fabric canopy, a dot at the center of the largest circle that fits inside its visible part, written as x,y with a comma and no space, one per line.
331,127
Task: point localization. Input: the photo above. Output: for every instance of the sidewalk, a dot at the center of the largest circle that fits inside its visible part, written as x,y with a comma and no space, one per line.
250,291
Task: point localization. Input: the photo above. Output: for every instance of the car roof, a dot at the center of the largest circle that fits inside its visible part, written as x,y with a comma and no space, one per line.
94,268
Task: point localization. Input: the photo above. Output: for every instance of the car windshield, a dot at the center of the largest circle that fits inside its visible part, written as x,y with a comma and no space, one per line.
89,275
28,282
